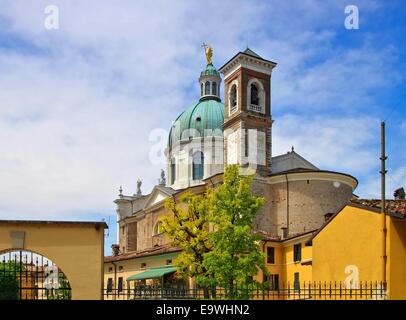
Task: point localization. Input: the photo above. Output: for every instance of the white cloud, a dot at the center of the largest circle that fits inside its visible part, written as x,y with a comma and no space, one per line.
77,104
371,188
329,142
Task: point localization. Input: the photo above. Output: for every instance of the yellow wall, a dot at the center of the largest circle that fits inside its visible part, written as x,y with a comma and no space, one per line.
77,249
285,266
354,237
397,259
305,271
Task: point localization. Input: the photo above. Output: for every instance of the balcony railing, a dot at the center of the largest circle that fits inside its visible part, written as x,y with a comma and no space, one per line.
255,108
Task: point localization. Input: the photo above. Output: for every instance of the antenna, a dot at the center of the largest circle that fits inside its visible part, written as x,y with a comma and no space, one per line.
383,202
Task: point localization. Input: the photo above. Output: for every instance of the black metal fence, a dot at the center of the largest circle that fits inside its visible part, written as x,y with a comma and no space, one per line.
25,275
304,291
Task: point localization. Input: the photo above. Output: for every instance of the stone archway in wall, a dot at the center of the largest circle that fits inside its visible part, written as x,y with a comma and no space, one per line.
27,275
77,248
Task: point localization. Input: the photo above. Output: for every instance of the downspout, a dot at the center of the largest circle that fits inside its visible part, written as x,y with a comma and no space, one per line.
287,205
115,279
263,250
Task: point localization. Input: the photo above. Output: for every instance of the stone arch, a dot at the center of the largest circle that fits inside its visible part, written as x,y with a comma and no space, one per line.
261,95
77,248
37,276
233,97
157,230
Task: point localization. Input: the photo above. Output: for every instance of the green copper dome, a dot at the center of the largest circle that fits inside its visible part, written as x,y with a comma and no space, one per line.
210,70
197,120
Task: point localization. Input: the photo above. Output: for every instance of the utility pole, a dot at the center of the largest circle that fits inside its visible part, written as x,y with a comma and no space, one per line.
383,203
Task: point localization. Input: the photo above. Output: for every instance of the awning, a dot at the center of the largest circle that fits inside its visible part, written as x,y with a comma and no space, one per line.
152,273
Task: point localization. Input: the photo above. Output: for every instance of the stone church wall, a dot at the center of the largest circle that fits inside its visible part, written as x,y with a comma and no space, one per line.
309,201
145,230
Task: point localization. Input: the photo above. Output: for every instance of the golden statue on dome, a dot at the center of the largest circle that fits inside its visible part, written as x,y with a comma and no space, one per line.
209,52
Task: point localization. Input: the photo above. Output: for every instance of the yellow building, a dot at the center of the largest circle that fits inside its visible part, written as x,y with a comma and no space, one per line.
288,260
72,248
120,269
349,247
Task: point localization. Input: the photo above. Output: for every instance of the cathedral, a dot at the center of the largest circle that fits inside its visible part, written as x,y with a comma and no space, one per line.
230,123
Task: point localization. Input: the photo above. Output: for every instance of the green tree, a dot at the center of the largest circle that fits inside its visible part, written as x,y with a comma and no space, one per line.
235,255
188,228
9,275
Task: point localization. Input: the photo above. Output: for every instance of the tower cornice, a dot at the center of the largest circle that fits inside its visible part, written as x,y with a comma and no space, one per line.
242,59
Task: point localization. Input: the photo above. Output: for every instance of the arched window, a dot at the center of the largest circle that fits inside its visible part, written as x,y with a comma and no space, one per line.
207,88
233,98
214,88
198,166
173,170
254,95
201,89
158,229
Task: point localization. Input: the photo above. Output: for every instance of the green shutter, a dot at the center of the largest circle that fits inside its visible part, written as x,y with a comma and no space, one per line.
297,252
296,283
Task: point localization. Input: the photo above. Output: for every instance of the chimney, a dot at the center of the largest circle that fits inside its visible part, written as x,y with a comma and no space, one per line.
399,194
285,232
327,216
115,248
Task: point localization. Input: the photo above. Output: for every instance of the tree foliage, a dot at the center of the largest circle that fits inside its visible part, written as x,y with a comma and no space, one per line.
229,256
188,228
235,256
9,284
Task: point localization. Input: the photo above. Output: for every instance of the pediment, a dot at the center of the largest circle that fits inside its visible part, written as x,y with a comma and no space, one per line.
158,195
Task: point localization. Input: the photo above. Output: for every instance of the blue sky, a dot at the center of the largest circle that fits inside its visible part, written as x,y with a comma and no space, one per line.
77,104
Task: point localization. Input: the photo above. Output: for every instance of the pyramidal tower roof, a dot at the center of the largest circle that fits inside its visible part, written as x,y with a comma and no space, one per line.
252,53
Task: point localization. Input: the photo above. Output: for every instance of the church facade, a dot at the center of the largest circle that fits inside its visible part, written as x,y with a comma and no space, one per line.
221,128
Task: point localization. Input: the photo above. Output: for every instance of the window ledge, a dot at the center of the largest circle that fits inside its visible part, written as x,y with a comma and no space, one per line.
158,234
307,262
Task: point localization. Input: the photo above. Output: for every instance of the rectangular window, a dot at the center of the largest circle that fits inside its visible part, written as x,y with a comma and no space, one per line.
274,281
120,284
297,252
296,283
270,255
143,265
120,268
110,285
168,262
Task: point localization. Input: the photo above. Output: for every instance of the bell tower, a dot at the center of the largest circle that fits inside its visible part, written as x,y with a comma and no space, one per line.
247,114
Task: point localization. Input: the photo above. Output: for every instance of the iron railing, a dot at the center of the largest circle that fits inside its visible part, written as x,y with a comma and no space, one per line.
306,291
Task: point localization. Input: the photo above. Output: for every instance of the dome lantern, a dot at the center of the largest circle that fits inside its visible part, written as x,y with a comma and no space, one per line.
210,78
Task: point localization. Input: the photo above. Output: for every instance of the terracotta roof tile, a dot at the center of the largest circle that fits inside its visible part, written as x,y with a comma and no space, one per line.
392,206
